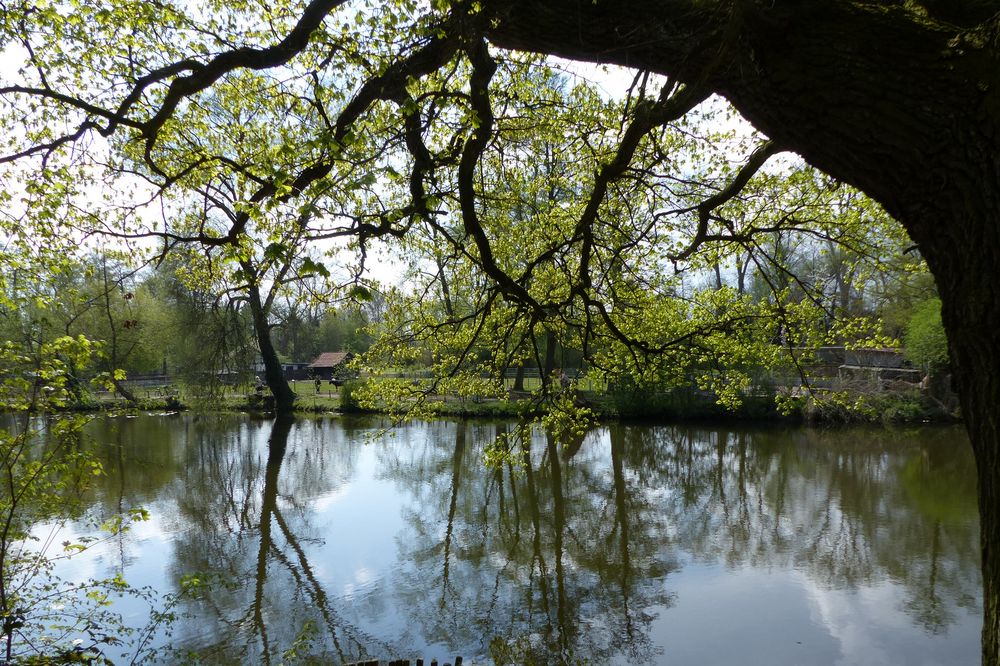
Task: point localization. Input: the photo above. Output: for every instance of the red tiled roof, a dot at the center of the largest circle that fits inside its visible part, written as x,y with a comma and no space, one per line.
329,359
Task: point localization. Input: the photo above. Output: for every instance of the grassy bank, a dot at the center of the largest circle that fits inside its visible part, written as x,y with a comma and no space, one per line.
679,404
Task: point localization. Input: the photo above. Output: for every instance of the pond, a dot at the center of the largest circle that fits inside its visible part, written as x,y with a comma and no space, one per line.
637,544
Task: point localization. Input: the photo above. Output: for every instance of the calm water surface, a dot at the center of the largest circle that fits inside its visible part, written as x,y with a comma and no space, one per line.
634,545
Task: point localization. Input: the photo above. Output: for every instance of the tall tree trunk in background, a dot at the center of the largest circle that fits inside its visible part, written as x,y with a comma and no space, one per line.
742,266
449,309
113,359
550,358
519,378
274,376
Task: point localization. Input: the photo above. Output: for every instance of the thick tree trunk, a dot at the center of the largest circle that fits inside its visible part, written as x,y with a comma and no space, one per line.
519,379
274,376
970,295
983,430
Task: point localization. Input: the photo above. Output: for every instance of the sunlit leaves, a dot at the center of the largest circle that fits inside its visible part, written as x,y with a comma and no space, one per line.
926,343
352,140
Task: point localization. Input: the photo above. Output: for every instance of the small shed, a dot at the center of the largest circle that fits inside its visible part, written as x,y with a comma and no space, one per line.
331,365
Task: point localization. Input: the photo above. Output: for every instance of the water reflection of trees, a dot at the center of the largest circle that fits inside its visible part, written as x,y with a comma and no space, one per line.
139,457
848,508
563,554
248,505
555,555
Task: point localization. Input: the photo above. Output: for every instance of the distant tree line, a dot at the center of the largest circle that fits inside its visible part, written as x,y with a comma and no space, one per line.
151,320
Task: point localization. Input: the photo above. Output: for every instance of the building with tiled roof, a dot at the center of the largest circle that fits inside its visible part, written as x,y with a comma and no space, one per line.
330,365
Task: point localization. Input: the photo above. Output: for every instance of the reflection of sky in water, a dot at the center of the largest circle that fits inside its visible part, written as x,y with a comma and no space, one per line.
359,522
749,616
368,525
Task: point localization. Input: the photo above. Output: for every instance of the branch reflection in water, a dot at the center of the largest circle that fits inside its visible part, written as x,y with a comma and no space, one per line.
631,545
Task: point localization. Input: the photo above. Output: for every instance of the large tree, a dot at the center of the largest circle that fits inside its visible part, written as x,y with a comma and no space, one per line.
899,99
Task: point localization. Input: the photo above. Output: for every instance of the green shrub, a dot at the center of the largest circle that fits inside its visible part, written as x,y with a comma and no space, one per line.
349,394
902,408
926,343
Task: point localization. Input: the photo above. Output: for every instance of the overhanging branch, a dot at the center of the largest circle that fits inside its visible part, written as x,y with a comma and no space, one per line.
726,194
